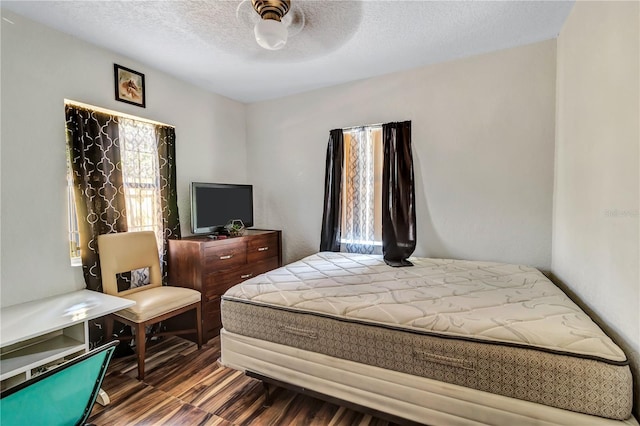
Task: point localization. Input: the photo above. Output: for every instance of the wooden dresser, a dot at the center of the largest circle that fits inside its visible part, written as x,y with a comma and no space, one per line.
213,266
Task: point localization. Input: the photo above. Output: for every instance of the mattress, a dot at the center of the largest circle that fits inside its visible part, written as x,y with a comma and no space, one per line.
498,328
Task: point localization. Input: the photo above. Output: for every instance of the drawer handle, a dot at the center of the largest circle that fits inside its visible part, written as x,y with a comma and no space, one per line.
229,256
245,276
263,248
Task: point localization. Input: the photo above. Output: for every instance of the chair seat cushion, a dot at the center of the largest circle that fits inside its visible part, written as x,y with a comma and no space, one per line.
157,301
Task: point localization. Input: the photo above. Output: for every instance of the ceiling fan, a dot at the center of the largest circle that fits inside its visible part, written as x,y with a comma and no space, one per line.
276,20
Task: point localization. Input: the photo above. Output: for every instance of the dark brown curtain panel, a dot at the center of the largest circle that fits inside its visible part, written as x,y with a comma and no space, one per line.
330,236
94,149
398,195
166,139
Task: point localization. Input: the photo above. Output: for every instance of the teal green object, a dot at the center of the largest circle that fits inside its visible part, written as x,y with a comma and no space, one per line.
62,396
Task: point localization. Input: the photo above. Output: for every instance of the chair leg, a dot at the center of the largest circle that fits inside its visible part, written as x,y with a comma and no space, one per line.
141,339
199,324
108,328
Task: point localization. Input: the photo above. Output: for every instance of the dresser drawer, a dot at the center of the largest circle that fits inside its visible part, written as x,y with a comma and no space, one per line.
263,266
216,283
262,247
225,256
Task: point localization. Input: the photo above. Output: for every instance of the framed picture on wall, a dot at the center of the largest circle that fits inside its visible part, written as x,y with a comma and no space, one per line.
129,85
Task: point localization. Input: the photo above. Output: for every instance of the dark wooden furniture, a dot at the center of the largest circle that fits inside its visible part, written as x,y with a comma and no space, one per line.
213,266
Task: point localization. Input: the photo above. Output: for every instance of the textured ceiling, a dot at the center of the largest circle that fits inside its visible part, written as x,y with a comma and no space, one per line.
210,43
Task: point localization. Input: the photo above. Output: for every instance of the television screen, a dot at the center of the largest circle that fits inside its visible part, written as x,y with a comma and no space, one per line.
213,205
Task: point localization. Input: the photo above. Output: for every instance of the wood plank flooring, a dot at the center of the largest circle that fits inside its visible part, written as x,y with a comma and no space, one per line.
184,386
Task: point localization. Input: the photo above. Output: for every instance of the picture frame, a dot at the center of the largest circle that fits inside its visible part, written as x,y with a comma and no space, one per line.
129,86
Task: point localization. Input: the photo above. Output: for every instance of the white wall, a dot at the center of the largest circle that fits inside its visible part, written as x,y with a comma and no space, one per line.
483,141
40,68
596,228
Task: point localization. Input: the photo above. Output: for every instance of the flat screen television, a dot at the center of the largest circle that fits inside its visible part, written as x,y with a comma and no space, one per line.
213,205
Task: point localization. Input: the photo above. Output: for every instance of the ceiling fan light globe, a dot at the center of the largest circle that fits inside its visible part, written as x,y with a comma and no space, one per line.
271,34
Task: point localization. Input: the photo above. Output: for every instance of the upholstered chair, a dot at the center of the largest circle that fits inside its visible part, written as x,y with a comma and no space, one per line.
129,251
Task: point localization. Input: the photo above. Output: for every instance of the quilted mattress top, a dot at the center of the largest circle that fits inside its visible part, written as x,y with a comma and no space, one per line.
486,301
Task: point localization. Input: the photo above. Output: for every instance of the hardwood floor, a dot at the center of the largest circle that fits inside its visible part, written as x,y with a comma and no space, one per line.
184,386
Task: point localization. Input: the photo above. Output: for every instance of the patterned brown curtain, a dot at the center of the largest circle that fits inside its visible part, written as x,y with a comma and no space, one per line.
166,139
398,195
96,152
92,139
330,236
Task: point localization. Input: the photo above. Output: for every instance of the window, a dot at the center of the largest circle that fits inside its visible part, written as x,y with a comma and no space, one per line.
141,176
361,227
74,232
359,202
123,178
141,183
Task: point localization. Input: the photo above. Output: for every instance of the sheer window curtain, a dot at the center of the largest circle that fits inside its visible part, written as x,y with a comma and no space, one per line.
140,175
360,226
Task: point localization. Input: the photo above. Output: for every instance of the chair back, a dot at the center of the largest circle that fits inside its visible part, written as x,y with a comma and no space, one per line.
124,252
64,395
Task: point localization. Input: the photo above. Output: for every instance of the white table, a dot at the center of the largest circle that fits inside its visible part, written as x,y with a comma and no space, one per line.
44,332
